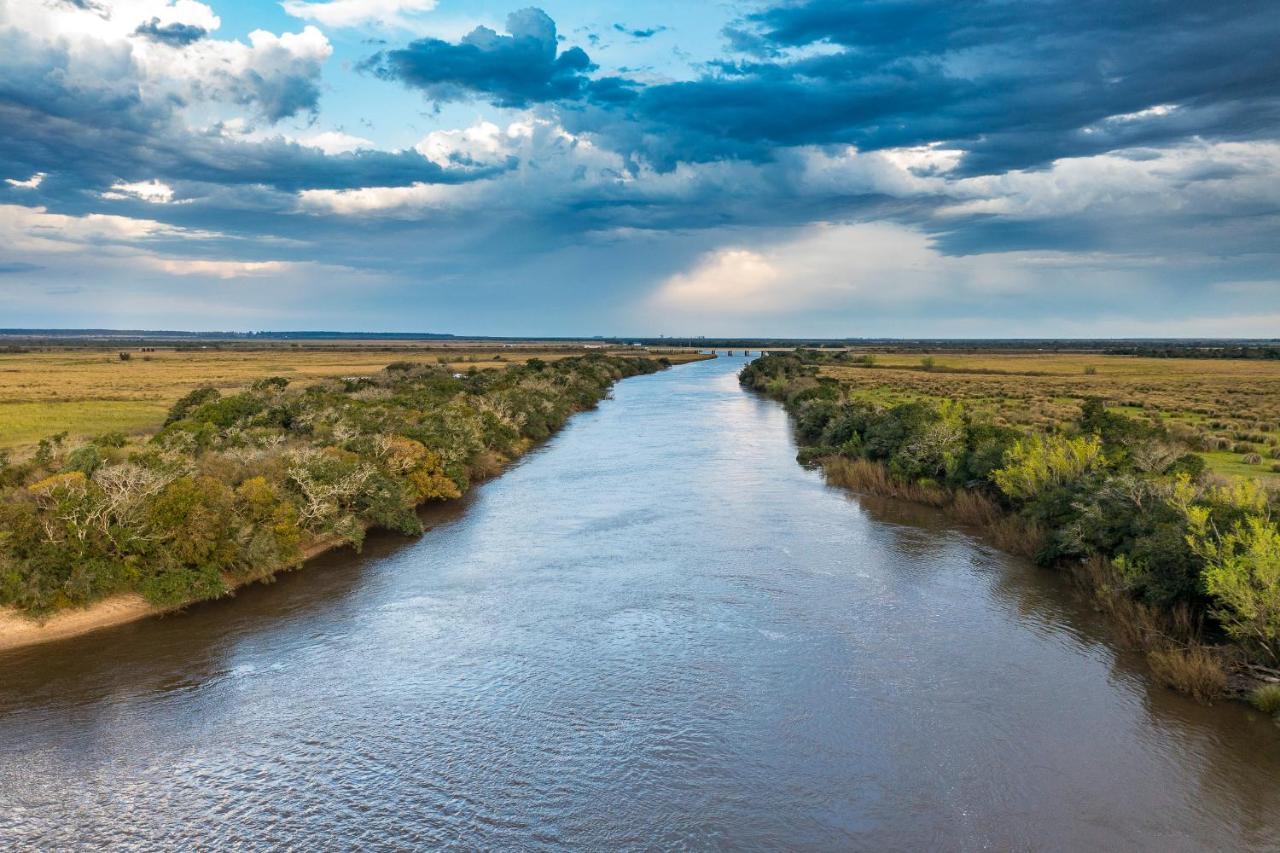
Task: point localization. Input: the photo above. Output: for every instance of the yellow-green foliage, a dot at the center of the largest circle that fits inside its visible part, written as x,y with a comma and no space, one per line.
939,446
271,535
1231,530
1103,486
1037,462
422,467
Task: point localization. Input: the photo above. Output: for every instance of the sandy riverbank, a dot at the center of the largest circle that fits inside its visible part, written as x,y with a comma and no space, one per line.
18,630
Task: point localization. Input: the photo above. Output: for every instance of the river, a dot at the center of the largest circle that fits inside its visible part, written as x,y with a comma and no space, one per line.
657,630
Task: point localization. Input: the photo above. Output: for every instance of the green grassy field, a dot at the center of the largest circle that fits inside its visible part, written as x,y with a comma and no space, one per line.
1228,410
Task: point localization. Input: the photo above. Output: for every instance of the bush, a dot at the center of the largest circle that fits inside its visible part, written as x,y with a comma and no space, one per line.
270,384
234,487
1115,488
111,439
179,410
1231,531
84,459
1266,699
1038,463
174,586
228,411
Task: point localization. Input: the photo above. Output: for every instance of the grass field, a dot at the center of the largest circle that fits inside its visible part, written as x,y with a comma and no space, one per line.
90,391
1229,410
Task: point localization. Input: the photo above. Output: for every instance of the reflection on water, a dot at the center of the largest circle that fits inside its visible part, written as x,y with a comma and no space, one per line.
657,630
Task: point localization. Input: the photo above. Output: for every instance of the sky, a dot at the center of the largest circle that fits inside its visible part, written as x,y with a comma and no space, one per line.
826,168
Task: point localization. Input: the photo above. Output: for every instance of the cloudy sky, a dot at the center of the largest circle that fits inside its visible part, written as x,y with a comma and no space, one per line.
809,167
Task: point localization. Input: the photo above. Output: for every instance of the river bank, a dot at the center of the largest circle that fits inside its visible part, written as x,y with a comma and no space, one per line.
427,475
1171,644
1175,555
18,630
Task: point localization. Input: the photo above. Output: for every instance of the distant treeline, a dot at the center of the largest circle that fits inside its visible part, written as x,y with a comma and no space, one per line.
1170,546
1126,346
1251,351
236,487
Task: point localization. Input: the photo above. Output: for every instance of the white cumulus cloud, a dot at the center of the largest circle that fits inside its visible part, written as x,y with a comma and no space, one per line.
218,269
29,184
151,191
336,142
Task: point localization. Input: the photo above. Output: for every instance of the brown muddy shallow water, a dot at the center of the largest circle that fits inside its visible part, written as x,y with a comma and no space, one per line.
655,631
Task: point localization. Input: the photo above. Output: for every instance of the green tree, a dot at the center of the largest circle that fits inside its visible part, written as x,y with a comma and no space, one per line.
1241,562
1038,462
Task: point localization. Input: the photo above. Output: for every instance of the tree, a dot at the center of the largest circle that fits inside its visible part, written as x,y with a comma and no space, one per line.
1241,563
1038,462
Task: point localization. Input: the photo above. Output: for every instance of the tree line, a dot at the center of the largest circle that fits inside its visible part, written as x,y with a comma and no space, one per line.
238,486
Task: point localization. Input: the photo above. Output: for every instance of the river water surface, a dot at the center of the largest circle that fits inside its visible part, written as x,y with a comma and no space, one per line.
655,631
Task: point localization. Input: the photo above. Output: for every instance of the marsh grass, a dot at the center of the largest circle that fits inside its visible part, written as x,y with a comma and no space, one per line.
1266,699
1017,536
863,475
1194,670
1171,639
975,508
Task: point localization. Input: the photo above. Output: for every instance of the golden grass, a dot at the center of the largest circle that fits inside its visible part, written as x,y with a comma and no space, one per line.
1016,535
862,475
975,508
1194,670
90,391
1226,408
1171,640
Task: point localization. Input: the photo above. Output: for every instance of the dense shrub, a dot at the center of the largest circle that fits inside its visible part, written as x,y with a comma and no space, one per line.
189,401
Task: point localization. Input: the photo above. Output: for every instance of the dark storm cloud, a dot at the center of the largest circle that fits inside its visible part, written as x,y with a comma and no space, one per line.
132,148
174,34
511,70
1014,85
746,41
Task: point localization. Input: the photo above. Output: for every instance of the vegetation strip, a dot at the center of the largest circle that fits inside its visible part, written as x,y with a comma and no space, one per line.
236,488
1188,561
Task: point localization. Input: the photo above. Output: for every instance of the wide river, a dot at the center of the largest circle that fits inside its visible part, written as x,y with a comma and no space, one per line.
659,631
